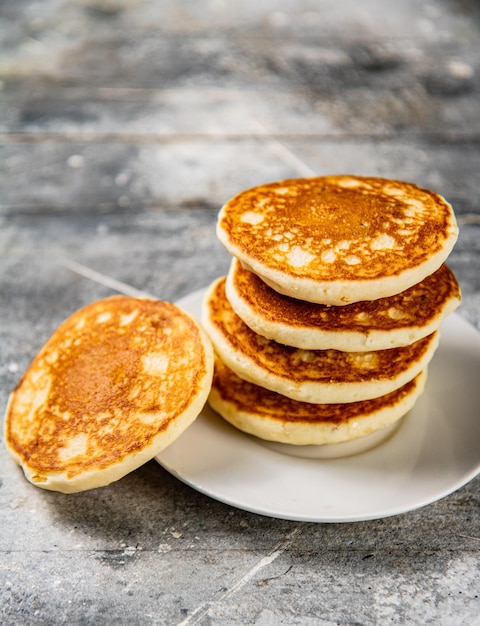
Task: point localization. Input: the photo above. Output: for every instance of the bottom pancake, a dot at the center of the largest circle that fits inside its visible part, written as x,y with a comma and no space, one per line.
273,417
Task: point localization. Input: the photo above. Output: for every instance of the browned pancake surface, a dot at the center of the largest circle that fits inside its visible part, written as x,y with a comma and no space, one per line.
107,383
417,306
337,228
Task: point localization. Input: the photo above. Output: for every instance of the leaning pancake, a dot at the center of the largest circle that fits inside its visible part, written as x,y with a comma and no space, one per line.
114,385
339,239
274,417
374,325
318,376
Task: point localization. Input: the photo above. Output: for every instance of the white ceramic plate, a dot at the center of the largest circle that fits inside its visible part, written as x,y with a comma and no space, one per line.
434,452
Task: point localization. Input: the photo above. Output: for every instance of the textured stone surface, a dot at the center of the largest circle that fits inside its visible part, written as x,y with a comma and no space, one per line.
124,126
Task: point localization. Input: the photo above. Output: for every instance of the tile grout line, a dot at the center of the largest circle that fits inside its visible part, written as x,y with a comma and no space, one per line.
285,154
106,281
204,608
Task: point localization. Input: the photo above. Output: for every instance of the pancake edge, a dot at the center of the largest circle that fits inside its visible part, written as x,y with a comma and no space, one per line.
311,338
322,433
338,292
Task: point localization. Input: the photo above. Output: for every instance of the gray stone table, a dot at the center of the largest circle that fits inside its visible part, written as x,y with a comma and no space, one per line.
124,126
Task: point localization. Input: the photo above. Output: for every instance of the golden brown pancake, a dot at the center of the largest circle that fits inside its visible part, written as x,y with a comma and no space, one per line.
318,376
339,239
361,326
114,385
274,417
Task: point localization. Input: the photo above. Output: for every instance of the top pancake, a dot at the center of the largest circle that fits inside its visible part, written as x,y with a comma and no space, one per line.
113,386
361,326
339,239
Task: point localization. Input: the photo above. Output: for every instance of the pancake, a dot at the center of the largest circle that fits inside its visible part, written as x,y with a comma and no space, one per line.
339,239
361,326
317,376
114,385
271,416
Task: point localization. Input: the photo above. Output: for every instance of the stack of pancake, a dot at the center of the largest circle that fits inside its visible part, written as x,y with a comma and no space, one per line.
330,313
